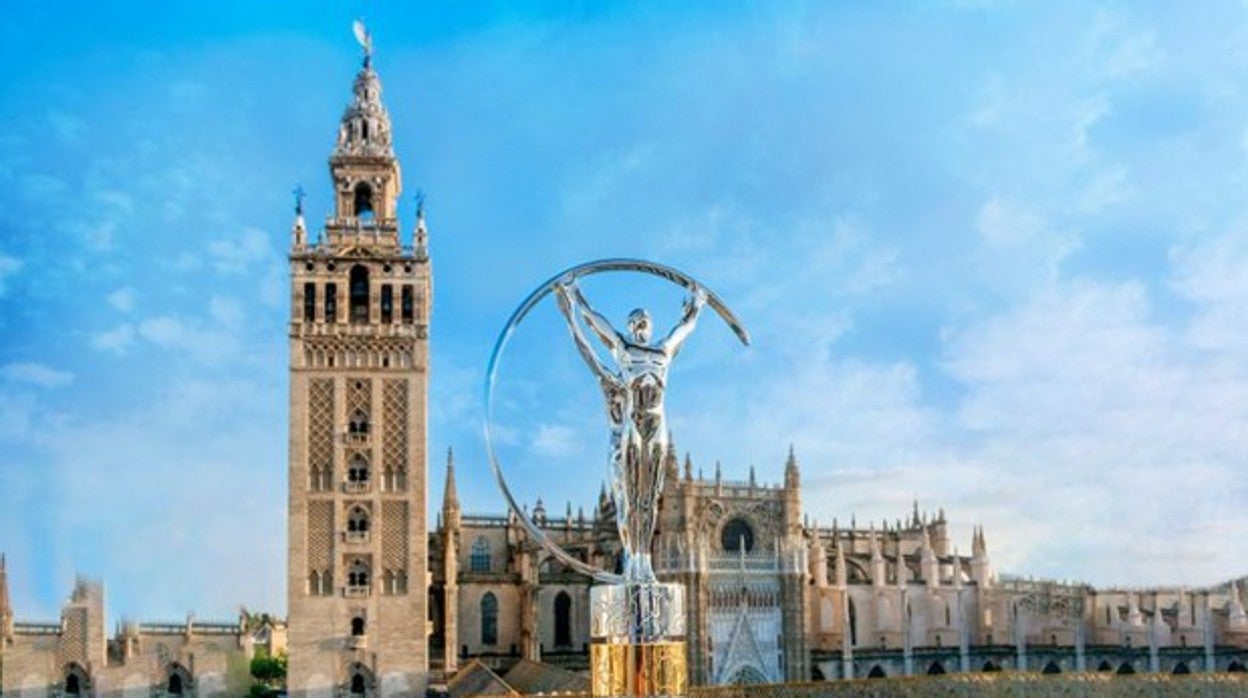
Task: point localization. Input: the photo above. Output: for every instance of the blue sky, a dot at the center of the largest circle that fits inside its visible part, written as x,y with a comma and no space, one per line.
994,256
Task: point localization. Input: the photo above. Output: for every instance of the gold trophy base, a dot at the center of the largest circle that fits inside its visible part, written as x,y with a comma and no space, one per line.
637,670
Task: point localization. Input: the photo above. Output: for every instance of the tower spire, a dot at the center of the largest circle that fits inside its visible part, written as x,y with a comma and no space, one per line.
792,477
450,496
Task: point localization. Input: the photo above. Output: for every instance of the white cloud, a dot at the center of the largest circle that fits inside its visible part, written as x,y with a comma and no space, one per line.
116,340
37,374
208,344
122,299
240,252
554,440
9,266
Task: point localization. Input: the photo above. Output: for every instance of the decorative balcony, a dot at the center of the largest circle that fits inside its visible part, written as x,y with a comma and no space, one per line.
355,592
356,487
356,438
358,642
355,536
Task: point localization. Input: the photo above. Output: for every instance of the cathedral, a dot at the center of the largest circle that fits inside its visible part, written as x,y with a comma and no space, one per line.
380,605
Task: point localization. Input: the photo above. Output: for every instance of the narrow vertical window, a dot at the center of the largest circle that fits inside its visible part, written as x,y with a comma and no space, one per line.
408,309
489,619
309,302
387,304
563,619
331,302
359,293
479,560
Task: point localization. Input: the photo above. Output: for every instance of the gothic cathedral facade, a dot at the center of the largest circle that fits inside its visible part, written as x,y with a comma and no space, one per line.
359,383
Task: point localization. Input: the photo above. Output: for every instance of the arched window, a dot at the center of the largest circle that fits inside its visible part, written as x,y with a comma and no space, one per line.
989,667
1051,668
358,423
1125,668
357,472
479,561
357,576
364,201
737,535
563,619
387,303
1105,666
331,306
178,680
309,302
76,681
360,682
935,669
877,672
1181,668
357,627
489,619
359,293
357,520
407,304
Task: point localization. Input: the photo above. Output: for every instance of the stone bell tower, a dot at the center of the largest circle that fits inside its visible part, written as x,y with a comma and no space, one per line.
359,377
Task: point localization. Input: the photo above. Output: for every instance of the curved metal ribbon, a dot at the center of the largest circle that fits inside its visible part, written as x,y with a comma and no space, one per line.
581,270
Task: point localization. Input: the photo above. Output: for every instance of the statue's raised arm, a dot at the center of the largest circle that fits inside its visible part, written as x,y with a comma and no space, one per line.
693,306
571,303
606,332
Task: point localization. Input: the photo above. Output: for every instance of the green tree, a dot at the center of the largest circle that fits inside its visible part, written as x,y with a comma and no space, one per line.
269,673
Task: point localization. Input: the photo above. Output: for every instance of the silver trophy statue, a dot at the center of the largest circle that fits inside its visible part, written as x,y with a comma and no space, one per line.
637,623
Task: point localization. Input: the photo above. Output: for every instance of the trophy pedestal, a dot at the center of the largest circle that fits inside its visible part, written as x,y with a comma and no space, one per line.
637,635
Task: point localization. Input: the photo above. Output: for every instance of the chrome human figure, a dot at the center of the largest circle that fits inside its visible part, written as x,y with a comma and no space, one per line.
633,389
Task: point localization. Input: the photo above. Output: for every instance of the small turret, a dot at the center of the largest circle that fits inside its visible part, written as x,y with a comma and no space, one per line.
420,238
752,480
981,569
928,564
792,476
450,496
299,231
539,513
842,572
877,559
819,560
688,468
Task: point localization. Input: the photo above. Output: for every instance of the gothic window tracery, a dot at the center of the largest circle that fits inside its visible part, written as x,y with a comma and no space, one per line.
479,560
357,520
357,577
357,472
737,535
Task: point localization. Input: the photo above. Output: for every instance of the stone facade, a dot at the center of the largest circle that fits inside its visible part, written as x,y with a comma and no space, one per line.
359,384
772,598
75,657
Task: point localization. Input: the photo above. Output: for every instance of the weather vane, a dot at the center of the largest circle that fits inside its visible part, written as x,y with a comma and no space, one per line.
299,194
365,39
420,203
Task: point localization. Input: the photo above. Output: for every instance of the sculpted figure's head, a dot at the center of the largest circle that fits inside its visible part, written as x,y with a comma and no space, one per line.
639,325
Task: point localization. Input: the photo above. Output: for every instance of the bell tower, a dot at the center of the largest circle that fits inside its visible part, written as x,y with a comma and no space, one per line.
359,376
